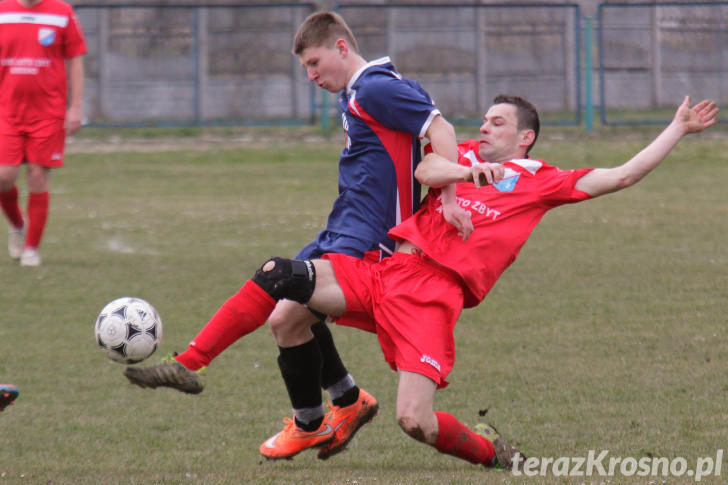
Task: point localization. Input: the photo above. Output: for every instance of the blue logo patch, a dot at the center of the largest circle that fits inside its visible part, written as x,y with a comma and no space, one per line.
46,36
507,185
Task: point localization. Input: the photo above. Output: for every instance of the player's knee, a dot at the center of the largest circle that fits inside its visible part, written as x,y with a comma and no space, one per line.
289,329
282,322
287,278
7,181
412,427
277,322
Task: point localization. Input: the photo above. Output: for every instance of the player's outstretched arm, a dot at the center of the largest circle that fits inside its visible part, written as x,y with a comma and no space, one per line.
686,120
435,171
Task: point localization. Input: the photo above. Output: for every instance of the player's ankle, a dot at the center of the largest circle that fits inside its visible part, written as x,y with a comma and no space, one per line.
312,425
347,398
191,359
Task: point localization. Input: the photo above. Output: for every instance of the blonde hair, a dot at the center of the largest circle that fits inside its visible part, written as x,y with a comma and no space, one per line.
322,29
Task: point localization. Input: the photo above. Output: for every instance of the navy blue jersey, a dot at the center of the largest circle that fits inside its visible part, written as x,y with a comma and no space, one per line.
384,116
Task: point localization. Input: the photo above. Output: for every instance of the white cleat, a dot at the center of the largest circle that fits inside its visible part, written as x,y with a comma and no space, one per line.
30,257
16,241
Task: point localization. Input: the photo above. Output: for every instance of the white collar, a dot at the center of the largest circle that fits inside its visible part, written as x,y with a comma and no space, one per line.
376,62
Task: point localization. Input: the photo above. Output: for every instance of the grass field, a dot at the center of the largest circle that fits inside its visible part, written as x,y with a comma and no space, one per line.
609,332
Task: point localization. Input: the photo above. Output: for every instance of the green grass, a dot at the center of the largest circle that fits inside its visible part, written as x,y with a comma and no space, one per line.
608,333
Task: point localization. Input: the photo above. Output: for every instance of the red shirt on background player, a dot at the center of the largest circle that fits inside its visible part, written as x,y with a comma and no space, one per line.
37,38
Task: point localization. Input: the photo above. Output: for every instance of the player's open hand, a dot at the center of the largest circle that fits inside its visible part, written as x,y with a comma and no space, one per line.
459,218
697,118
487,173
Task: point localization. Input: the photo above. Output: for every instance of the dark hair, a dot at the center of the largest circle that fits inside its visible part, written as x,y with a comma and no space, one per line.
322,29
526,113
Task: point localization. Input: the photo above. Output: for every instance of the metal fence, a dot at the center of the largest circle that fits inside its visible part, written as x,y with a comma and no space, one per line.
465,54
194,64
189,64
652,54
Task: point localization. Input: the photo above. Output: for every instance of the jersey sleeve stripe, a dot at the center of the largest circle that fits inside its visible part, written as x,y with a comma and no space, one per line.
39,19
428,122
399,146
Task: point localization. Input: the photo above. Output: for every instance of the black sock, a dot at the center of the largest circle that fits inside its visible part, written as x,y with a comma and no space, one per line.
348,398
301,370
312,426
333,369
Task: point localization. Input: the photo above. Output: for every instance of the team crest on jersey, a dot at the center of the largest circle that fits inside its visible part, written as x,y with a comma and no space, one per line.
507,185
46,36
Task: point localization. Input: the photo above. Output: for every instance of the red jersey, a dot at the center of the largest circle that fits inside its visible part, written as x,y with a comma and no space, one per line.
503,215
34,44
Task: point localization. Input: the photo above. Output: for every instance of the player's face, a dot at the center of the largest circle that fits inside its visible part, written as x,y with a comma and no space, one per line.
325,66
500,139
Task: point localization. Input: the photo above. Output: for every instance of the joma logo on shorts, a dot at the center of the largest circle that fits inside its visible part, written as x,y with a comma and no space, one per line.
431,361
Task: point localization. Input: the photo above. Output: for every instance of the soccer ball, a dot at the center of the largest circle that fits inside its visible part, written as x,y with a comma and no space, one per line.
128,330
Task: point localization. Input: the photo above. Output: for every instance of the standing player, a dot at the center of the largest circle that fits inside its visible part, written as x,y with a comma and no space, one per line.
384,117
413,299
37,37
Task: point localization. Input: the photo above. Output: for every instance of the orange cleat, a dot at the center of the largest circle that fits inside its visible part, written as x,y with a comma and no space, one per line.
292,440
346,421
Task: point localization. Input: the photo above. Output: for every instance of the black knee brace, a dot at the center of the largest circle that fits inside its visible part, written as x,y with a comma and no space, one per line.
289,278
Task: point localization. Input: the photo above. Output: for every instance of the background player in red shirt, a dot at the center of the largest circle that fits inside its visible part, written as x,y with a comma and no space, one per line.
413,299
37,37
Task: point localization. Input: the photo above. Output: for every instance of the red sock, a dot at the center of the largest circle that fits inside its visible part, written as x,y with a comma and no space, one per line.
10,207
242,313
454,438
37,215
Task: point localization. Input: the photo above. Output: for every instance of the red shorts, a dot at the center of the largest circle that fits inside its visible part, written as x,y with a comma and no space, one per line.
410,302
41,143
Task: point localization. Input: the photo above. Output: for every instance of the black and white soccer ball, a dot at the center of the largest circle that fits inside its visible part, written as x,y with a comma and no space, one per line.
128,330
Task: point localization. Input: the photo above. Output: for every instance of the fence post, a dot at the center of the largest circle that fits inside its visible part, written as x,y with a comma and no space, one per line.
324,110
588,101
200,52
102,109
481,58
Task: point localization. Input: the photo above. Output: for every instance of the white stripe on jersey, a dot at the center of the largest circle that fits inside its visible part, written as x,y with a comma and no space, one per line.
471,156
428,122
34,18
529,164
398,214
385,249
509,172
352,104
376,62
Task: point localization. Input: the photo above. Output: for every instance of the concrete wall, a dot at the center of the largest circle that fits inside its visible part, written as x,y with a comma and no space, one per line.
234,64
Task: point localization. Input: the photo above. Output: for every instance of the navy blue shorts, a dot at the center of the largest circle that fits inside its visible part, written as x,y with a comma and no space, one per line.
333,242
